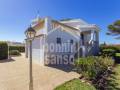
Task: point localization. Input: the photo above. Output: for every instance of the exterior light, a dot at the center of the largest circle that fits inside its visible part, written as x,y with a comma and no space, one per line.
30,34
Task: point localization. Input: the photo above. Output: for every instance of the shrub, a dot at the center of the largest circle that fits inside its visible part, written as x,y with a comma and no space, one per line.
86,66
14,52
109,50
3,50
90,67
19,48
105,62
116,48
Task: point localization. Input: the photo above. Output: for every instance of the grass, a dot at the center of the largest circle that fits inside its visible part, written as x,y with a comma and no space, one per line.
114,80
75,84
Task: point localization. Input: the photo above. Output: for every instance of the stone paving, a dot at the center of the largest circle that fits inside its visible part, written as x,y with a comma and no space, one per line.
14,75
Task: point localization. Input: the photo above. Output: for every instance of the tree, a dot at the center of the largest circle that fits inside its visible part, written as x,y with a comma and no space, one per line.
114,29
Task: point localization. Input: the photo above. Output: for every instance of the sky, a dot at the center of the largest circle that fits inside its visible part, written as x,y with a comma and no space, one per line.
16,15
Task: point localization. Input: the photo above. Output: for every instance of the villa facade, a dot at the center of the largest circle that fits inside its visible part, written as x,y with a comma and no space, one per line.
72,38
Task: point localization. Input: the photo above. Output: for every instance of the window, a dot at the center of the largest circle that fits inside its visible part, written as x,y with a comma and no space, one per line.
82,36
71,41
58,40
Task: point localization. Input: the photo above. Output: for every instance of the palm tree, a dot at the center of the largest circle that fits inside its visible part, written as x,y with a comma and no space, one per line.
114,29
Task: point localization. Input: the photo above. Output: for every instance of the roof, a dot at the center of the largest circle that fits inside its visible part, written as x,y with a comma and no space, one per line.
81,24
37,24
74,20
65,25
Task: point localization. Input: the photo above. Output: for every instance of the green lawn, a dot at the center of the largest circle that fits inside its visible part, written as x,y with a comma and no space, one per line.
75,84
114,80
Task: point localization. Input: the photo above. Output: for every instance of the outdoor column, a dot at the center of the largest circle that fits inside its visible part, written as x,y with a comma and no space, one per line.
80,41
79,45
97,37
48,25
97,40
92,36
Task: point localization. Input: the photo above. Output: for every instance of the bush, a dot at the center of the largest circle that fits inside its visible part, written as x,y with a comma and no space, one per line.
19,48
3,50
90,67
86,66
109,50
105,62
14,52
113,47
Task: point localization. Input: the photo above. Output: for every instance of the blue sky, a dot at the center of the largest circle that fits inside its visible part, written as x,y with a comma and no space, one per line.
16,15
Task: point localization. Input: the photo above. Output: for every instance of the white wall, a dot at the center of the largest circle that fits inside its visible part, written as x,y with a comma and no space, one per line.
65,38
46,28
65,48
38,50
40,31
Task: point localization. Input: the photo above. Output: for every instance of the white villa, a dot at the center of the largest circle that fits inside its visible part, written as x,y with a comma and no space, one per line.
69,37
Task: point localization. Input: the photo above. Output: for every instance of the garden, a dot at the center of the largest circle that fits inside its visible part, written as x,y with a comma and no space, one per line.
97,72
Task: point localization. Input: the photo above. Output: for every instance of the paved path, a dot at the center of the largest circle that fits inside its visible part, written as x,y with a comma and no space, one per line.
14,75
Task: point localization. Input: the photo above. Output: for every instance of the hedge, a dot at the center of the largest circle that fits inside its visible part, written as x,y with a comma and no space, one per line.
109,50
117,57
15,52
19,48
114,47
3,50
